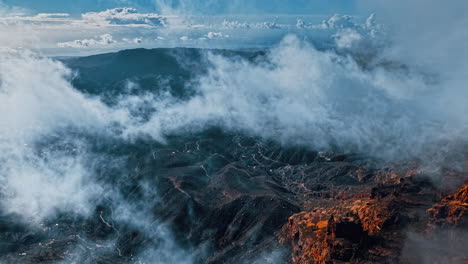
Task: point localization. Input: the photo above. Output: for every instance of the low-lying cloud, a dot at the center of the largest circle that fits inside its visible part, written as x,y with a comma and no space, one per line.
48,165
313,98
36,183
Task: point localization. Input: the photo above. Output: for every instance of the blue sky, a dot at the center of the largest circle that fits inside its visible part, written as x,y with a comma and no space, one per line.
76,7
80,27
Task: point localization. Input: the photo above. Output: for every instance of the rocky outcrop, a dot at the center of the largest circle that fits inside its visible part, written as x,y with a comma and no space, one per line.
319,238
380,228
452,211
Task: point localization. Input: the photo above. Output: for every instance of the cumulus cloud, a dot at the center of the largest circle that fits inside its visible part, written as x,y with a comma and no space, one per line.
349,33
102,40
235,24
301,23
116,16
214,35
338,21
73,34
45,30
347,38
124,16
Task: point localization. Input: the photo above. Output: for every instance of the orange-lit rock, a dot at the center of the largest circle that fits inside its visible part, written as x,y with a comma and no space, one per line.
362,229
451,211
320,238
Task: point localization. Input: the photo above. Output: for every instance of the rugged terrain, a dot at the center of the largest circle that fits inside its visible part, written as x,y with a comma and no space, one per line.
233,198
244,200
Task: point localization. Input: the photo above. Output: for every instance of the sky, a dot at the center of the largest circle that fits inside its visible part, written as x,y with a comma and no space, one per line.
83,27
211,7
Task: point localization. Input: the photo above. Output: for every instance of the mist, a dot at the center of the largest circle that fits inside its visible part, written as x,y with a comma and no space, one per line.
52,165
426,35
319,99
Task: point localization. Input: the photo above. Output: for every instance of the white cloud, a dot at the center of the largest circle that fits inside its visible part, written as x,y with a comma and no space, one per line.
345,22
103,40
214,35
61,34
235,24
124,16
347,38
36,184
338,21
300,23
134,40
115,17
382,111
51,15
41,18
268,25
349,32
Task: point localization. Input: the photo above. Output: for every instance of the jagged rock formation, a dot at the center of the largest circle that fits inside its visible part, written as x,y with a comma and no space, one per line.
452,211
375,229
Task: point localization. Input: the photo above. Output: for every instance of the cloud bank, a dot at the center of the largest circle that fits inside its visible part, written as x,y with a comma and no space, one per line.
316,99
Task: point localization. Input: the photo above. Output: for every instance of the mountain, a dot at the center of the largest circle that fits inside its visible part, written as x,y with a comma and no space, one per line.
214,195
109,73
